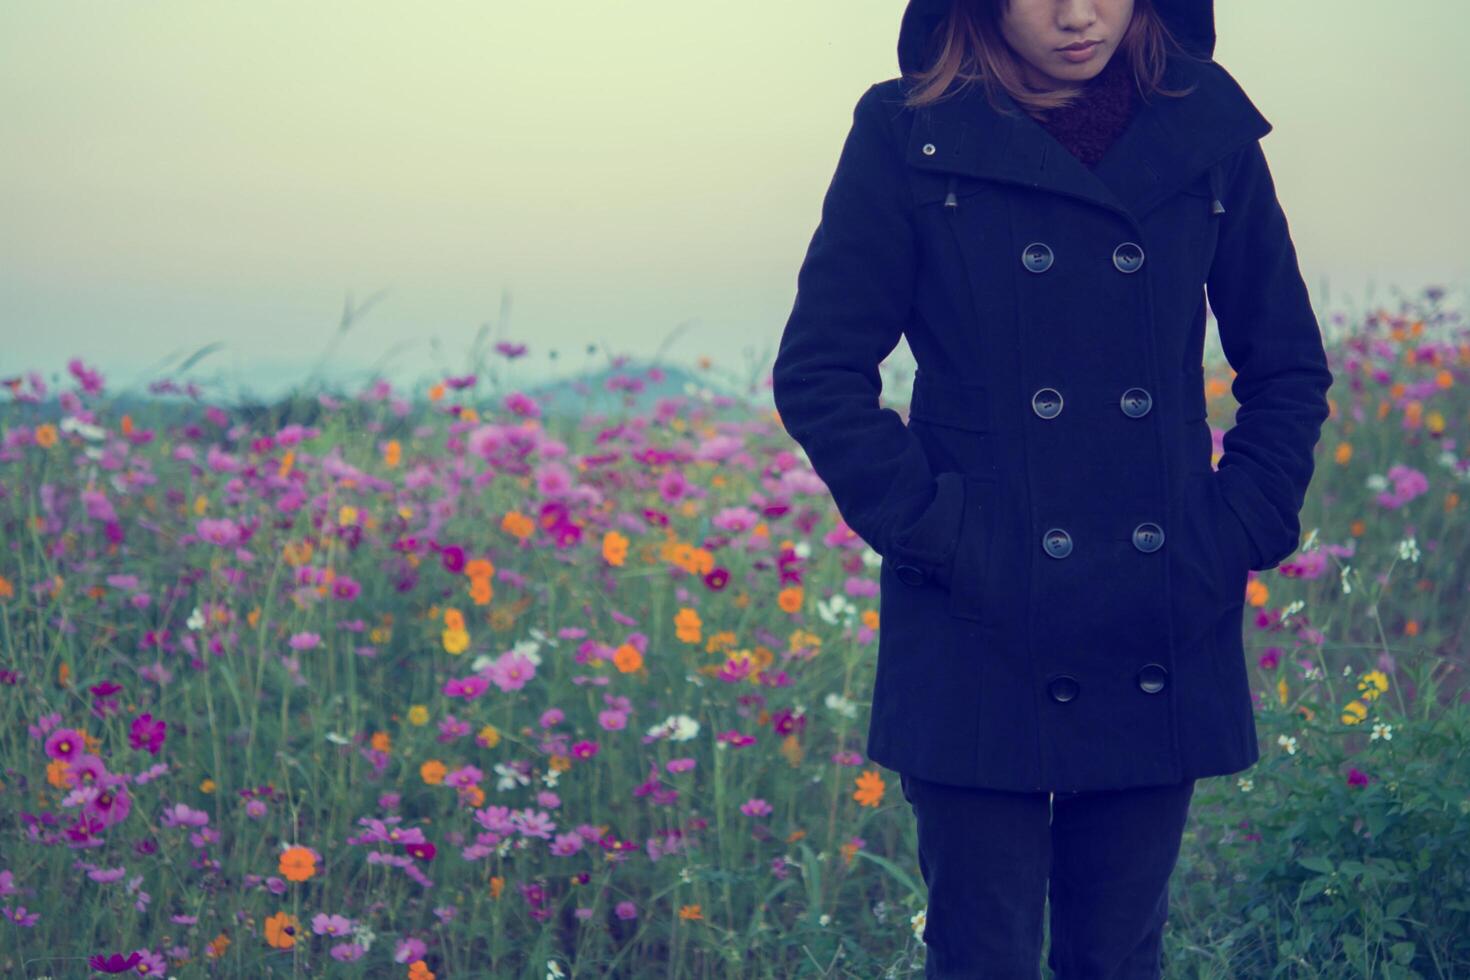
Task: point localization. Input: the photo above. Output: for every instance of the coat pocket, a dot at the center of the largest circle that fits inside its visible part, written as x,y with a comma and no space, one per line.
1232,549
969,589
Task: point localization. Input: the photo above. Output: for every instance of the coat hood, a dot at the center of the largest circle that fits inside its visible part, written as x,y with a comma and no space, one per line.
1191,21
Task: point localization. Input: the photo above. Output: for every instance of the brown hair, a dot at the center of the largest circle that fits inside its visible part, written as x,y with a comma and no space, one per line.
973,49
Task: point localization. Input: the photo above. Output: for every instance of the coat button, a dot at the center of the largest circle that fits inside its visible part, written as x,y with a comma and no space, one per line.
928,149
1057,543
1037,256
1063,687
1047,402
910,574
1148,536
1128,257
1151,678
1136,402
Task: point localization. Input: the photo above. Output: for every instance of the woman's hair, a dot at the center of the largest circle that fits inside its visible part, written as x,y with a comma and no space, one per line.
973,49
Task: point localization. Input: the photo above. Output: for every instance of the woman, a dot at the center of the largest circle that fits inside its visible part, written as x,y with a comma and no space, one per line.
1063,571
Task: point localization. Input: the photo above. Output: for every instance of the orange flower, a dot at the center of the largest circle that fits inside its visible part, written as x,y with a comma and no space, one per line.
297,863
454,619
7,591
870,788
497,885
690,912
46,435
517,524
481,591
627,658
789,599
281,930
419,970
217,946
381,741
433,772
687,625
392,453
614,548
479,568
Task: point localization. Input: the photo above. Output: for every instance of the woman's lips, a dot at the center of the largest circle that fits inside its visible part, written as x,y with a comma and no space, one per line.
1080,54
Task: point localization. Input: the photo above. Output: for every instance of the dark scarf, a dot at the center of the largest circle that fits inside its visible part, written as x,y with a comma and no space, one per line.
1089,125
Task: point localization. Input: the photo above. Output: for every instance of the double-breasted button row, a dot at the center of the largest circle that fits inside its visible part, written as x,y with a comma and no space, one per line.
1147,537
1151,679
1135,402
1038,257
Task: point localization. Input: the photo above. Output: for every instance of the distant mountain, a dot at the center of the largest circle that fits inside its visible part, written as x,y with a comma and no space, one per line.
631,388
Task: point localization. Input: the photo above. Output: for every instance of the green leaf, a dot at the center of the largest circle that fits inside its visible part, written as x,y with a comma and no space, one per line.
1321,865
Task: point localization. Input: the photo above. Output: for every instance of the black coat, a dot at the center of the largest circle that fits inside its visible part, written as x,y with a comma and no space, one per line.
1063,571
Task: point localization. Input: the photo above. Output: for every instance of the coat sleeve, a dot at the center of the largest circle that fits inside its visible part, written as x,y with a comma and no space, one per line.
1271,338
854,293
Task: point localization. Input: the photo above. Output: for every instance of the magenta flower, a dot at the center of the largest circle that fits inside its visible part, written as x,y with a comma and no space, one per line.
305,641
147,733
755,807
1356,777
221,531
65,743
330,925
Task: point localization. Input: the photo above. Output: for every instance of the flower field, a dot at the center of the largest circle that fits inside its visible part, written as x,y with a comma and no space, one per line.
432,684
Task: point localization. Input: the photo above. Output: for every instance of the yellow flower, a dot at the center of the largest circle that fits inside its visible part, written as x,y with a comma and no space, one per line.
418,715
1355,712
870,787
346,515
456,641
1373,683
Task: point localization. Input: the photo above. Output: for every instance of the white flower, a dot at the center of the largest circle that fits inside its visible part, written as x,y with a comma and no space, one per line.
802,549
553,970
1347,586
1246,784
541,637
676,728
84,429
530,650
337,739
841,705
1288,743
1409,549
1381,730
916,922
838,609
686,875
510,777
824,919
871,558
1292,608
1347,670
1376,482
550,777
196,620
1311,541
364,935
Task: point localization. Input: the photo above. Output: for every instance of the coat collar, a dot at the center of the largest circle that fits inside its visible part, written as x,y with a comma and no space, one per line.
1167,144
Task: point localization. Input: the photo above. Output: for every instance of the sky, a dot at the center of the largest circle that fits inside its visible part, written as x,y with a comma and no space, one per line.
644,177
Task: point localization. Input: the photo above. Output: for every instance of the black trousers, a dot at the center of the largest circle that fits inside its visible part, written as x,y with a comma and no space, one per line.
988,857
